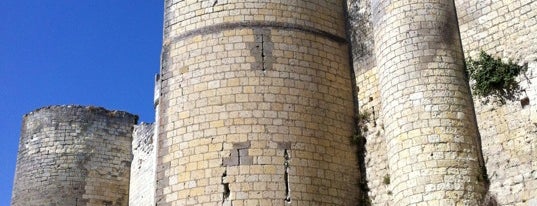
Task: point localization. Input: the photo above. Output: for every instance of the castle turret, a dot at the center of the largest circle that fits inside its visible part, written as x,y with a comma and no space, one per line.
431,133
74,155
257,105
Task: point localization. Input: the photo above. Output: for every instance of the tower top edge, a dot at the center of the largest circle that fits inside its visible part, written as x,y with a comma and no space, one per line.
87,108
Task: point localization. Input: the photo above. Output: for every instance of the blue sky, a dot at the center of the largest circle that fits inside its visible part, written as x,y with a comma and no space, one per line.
96,52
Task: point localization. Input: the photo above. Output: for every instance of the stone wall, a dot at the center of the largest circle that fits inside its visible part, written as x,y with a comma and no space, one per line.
506,29
142,182
256,105
430,130
74,155
503,28
375,161
256,108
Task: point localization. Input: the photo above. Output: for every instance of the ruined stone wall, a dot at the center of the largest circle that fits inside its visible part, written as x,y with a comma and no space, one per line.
375,166
256,105
506,29
143,174
144,150
74,155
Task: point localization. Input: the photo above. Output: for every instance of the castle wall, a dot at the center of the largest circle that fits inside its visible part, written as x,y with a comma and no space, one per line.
143,174
256,109
256,105
497,27
144,151
375,157
433,153
509,135
74,155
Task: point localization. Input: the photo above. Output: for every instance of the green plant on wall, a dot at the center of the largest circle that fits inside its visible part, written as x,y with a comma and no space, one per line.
386,179
494,79
359,140
361,127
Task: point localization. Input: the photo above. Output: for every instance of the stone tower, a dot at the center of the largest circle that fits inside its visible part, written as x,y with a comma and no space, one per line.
256,104
430,129
74,155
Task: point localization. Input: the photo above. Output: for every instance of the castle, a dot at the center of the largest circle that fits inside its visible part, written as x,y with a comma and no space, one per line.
256,103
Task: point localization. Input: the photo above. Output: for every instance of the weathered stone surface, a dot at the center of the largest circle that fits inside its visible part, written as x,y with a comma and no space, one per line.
501,28
143,167
431,135
506,29
254,107
257,105
74,155
375,161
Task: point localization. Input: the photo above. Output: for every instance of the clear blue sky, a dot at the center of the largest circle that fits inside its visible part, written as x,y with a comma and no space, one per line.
96,52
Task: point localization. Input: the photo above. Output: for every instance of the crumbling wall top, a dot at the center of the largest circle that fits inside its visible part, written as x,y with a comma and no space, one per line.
81,108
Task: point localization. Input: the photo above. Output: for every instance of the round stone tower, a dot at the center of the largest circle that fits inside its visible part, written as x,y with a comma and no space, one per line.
431,133
74,155
257,105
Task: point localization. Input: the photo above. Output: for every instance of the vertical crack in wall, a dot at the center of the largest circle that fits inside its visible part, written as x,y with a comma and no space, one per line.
225,184
261,49
263,53
286,177
239,156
